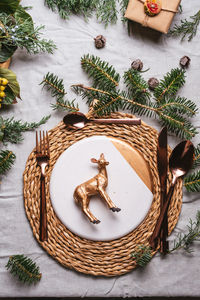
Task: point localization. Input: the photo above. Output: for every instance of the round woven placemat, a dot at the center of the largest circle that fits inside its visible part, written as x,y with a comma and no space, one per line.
96,258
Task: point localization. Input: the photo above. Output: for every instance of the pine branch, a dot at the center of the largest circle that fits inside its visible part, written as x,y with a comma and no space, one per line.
123,7
197,157
54,85
104,76
112,101
57,89
185,241
67,7
169,86
192,182
65,105
178,105
13,129
7,159
24,35
24,268
106,12
179,125
137,86
186,28
172,111
142,255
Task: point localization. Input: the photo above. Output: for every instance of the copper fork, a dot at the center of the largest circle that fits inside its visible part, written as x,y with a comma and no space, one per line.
42,158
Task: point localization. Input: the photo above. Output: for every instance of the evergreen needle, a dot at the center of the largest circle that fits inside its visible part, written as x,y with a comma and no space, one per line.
187,27
142,255
14,128
185,241
56,86
7,159
24,268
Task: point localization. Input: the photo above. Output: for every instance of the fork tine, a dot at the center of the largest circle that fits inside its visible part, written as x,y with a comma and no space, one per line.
40,142
44,143
47,140
37,146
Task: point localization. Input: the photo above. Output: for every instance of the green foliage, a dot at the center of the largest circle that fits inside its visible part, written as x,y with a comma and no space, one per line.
67,7
103,75
186,240
18,31
24,268
192,182
57,89
137,86
54,85
7,159
172,111
142,255
9,6
197,157
169,86
186,27
106,10
12,131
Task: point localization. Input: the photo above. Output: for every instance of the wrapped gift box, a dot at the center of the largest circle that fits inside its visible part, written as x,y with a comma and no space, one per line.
137,11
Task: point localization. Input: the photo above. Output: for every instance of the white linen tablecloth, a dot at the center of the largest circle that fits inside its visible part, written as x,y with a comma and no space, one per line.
174,275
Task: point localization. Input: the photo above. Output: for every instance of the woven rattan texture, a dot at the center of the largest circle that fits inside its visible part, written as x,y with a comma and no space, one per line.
96,258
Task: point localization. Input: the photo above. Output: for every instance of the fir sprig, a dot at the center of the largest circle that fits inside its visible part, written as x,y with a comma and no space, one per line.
137,86
197,157
170,84
106,10
185,241
7,159
104,76
16,34
186,27
13,129
192,182
142,255
67,7
24,268
56,86
172,111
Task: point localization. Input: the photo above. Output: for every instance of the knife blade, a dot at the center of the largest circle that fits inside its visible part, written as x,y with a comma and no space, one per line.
162,165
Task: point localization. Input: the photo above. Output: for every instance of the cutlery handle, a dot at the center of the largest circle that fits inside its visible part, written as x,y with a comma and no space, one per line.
164,244
118,121
158,227
43,211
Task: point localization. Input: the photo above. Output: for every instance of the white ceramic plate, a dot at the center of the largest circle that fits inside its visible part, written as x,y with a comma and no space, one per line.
125,188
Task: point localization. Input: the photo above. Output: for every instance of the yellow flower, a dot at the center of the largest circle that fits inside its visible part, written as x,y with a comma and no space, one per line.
3,81
2,94
2,88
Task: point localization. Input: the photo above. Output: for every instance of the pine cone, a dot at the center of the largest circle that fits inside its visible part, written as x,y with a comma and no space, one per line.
137,65
100,41
153,83
184,61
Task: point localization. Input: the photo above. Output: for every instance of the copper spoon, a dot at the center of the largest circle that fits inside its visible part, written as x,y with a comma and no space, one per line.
180,162
78,120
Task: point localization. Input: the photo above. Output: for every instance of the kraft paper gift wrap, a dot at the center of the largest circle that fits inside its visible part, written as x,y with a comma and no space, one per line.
161,22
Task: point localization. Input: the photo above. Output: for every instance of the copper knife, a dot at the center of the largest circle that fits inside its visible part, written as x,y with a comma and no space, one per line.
162,165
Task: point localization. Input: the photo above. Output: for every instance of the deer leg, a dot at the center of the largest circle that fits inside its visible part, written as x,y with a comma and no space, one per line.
88,213
105,196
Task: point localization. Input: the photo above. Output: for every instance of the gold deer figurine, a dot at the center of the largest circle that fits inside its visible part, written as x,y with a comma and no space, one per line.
94,186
